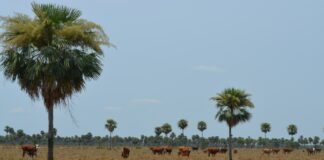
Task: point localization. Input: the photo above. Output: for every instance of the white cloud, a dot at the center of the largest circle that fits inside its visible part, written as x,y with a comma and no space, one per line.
146,101
17,110
207,68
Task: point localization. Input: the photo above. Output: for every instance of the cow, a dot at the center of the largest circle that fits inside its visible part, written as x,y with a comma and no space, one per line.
318,150
275,150
157,150
287,150
31,150
184,151
310,151
222,150
167,150
235,151
267,151
125,152
194,148
211,151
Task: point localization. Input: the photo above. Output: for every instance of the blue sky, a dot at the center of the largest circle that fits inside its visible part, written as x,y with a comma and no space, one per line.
172,56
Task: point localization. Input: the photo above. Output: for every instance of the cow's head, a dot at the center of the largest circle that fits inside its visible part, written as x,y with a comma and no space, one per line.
36,146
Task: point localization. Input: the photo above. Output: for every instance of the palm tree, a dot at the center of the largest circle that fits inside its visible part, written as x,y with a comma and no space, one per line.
111,125
51,55
182,124
166,129
265,128
292,130
158,131
7,130
232,104
201,127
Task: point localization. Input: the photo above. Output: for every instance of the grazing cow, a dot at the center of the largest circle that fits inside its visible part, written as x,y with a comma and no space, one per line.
31,150
194,148
125,152
167,150
223,150
275,150
211,151
157,150
287,150
184,151
267,151
317,150
310,151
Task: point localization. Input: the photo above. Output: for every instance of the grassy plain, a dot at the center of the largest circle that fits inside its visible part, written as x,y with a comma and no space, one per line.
94,153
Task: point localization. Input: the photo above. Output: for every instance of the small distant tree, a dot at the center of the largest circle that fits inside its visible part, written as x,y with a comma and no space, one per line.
201,127
166,129
265,128
292,130
111,125
182,124
7,130
158,131
316,140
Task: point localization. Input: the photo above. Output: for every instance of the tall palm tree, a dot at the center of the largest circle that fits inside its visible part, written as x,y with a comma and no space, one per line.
292,130
265,128
182,124
51,55
166,129
158,131
201,127
111,125
232,104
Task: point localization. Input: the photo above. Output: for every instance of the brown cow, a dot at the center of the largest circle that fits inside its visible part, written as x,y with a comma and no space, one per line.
275,150
157,150
287,150
31,150
211,151
235,151
125,152
184,151
223,150
167,150
267,151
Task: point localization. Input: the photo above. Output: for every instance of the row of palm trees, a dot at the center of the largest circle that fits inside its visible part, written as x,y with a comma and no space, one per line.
266,127
166,128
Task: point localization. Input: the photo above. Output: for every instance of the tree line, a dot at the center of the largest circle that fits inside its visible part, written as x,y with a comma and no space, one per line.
18,137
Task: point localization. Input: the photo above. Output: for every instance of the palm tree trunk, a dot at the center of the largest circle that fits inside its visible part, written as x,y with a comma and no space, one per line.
50,143
230,143
110,140
202,134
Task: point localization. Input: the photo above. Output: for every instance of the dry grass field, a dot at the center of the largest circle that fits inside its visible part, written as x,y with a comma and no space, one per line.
93,153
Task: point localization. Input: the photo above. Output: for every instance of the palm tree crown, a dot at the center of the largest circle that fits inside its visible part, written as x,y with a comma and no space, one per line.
182,124
166,128
292,129
111,125
265,128
201,127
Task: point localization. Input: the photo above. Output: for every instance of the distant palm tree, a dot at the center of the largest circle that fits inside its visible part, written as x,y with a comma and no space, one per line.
182,124
166,129
111,125
7,130
232,104
292,130
201,127
158,131
51,55
265,128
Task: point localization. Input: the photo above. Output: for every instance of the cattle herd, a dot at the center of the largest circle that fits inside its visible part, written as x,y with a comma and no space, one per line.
183,151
